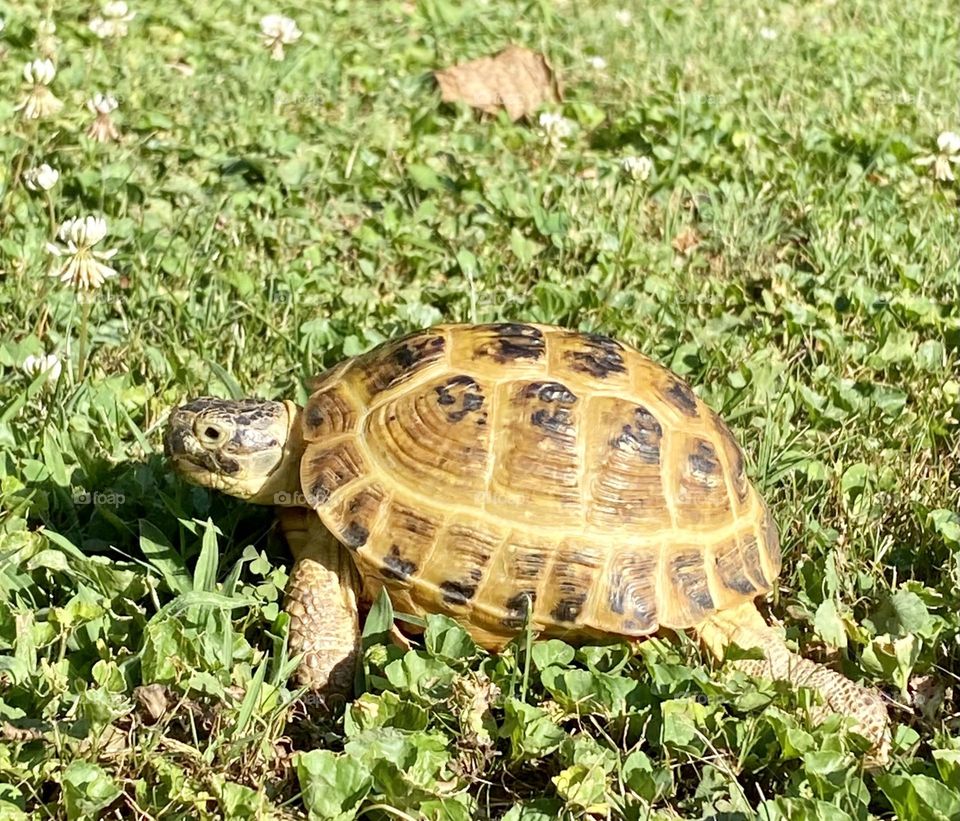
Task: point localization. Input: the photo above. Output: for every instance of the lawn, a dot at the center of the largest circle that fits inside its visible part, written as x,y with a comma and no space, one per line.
793,254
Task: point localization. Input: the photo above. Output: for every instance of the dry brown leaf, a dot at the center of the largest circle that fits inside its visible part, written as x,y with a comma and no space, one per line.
153,701
516,79
10,732
927,694
686,241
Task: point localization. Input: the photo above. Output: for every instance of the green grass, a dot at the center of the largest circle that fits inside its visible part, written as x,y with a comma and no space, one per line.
273,217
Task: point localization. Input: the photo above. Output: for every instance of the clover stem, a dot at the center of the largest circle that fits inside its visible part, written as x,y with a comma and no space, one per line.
82,353
52,214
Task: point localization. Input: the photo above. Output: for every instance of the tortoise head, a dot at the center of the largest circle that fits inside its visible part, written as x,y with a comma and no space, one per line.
249,448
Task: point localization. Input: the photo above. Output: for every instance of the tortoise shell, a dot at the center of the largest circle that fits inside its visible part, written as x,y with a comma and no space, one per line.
508,473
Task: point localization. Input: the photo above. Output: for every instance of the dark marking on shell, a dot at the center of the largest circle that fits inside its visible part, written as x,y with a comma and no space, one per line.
730,569
393,362
550,392
319,492
602,341
315,416
411,522
417,348
569,607
518,608
461,379
626,590
740,583
406,356
455,592
463,391
472,402
703,461
688,571
642,438
528,564
682,396
334,468
444,397
396,567
554,423
468,546
616,596
327,413
355,535
601,358
513,341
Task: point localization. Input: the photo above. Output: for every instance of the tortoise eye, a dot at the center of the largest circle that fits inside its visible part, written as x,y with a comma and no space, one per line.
210,434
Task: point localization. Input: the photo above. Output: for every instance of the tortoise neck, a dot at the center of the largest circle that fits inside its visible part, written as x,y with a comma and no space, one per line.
282,487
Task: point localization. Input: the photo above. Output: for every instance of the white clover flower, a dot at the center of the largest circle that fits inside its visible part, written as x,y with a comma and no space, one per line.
278,31
101,28
638,169
113,22
80,265
40,100
41,178
948,154
40,72
102,103
556,128
49,364
3,24
623,17
103,129
597,63
118,10
948,142
768,33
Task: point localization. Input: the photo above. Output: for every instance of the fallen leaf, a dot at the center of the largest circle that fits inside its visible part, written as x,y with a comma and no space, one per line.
10,732
926,694
153,702
516,79
687,240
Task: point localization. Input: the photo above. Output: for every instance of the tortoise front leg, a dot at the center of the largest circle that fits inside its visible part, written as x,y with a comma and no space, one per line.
745,627
321,599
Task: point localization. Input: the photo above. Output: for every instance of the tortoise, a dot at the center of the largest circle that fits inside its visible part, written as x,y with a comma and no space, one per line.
509,474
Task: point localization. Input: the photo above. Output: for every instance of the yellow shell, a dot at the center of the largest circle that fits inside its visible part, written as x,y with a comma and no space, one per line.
512,472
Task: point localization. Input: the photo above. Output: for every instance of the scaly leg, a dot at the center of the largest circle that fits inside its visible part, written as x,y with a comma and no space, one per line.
745,627
321,599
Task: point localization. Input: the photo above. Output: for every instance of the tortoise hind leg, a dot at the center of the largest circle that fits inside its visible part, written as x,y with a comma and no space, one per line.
321,599
745,627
